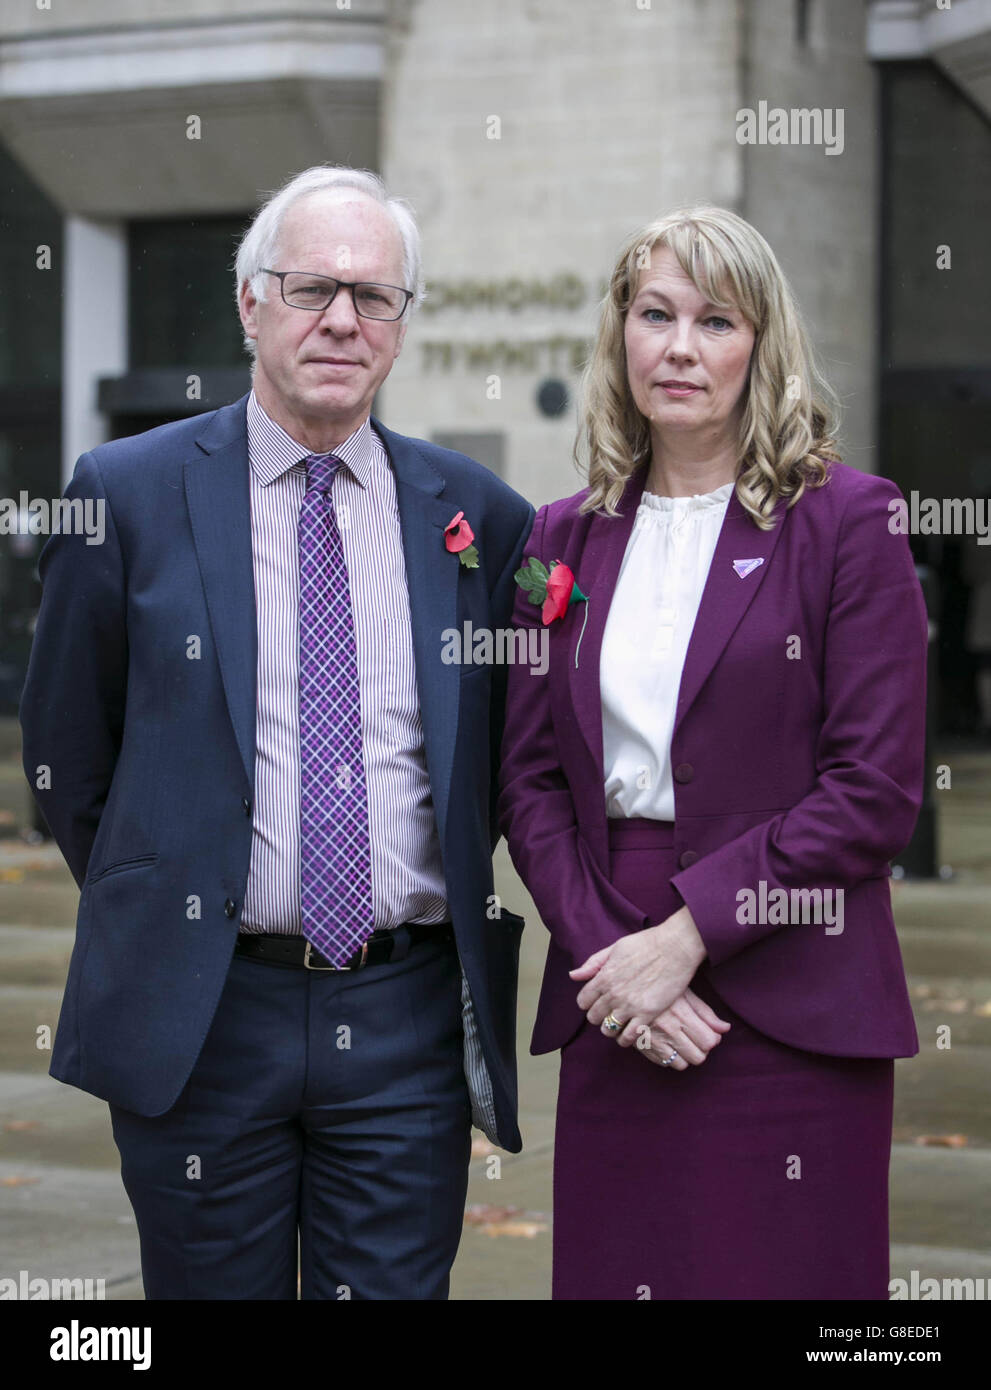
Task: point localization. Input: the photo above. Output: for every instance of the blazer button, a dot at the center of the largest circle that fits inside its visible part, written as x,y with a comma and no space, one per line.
684,772
687,859
230,907
246,804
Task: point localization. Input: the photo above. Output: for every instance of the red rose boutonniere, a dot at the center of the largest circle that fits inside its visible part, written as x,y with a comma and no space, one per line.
458,537
552,589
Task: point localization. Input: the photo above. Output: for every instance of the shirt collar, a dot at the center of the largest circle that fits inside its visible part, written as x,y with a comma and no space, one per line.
272,451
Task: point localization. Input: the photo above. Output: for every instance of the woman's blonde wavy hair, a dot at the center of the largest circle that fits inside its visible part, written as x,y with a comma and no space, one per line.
790,412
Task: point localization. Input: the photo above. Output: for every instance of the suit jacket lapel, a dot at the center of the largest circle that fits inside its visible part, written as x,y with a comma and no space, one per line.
433,575
596,573
218,498
727,595
219,503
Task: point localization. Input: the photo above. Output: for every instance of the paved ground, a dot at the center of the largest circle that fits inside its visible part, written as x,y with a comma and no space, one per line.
63,1210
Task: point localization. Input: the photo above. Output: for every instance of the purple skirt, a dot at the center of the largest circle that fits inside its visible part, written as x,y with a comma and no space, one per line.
760,1174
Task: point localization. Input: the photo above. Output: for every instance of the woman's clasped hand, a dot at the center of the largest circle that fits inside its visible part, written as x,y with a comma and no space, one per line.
641,982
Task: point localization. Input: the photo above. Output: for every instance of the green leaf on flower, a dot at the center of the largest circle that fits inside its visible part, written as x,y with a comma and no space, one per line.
469,557
532,579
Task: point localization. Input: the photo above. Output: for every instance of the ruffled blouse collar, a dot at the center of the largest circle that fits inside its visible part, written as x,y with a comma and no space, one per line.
698,502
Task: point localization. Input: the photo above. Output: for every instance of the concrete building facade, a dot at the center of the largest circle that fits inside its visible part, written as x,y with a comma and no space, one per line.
531,136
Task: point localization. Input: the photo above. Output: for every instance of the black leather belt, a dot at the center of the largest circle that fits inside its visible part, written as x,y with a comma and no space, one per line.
381,947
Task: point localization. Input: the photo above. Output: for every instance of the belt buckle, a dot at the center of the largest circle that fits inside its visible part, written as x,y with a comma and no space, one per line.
306,960
309,948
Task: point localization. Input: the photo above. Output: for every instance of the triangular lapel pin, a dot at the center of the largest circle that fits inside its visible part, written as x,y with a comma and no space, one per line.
745,567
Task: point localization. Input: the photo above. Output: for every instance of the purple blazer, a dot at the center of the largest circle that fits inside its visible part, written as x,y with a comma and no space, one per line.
797,758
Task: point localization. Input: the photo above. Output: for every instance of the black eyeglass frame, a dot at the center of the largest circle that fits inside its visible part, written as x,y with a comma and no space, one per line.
351,285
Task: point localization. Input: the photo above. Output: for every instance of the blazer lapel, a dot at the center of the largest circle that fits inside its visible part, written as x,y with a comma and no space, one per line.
596,573
433,575
727,595
218,498
219,503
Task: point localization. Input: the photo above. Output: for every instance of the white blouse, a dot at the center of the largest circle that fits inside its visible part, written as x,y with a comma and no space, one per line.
644,644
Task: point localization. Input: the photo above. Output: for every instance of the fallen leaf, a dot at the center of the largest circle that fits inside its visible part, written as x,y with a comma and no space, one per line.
943,1141
17,1182
480,1213
492,1220
11,875
528,1229
14,1125
984,1010
945,1005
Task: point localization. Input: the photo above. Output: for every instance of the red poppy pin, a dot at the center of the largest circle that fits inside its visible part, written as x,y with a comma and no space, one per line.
458,537
552,589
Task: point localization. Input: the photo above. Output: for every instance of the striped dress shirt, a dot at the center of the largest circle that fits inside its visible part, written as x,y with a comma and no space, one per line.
406,867
407,872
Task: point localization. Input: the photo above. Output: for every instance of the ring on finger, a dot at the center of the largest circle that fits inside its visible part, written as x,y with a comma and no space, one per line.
611,1023
670,1059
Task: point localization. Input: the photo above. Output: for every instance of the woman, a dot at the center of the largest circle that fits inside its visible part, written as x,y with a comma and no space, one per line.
704,790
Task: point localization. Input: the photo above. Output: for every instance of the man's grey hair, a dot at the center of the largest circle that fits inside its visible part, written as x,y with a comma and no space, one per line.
260,244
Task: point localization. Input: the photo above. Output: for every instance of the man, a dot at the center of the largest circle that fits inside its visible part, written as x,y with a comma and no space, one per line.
291,980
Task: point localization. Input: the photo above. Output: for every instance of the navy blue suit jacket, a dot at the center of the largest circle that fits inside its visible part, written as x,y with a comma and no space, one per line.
151,754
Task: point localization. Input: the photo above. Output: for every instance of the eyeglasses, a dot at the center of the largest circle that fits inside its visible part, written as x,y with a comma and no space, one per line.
301,290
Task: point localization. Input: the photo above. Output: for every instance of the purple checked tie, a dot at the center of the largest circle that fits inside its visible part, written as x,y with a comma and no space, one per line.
335,857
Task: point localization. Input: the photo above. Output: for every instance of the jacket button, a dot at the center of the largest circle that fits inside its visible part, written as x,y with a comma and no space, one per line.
687,859
684,772
230,907
246,804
